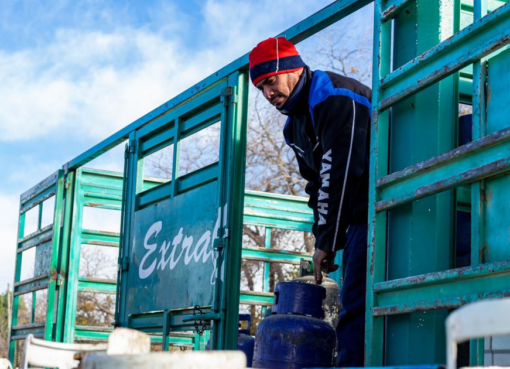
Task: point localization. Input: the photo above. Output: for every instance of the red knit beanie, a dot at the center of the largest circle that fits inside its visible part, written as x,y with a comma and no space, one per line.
273,56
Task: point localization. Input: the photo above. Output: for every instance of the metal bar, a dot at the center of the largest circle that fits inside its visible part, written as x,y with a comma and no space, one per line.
274,256
478,206
28,326
35,234
34,303
24,336
74,260
37,288
483,37
256,298
251,195
451,275
38,199
471,175
267,264
97,285
51,298
379,133
438,304
100,238
447,158
31,280
200,177
102,206
63,268
103,196
393,7
483,284
39,188
166,329
154,194
40,215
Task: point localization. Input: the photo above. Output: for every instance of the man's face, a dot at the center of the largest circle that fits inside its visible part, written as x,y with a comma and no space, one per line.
277,89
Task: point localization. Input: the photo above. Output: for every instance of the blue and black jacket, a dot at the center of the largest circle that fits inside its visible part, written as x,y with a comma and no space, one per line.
329,130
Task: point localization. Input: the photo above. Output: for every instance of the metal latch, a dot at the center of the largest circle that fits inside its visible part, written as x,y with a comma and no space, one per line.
200,319
229,94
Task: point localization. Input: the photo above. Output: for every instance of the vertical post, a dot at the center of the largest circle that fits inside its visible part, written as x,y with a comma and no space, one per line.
478,209
267,266
128,196
231,200
167,317
17,276
63,264
74,261
379,131
9,311
176,155
34,304
39,216
52,300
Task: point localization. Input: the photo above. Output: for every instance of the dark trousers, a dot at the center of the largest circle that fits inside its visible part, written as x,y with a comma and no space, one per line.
351,328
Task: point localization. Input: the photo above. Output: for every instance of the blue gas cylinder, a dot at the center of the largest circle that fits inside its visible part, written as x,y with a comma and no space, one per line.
245,342
295,336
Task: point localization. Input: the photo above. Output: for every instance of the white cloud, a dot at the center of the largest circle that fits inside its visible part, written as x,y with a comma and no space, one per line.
89,83
92,83
86,84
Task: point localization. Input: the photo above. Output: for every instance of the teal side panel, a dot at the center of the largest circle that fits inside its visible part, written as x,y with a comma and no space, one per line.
173,260
497,196
420,233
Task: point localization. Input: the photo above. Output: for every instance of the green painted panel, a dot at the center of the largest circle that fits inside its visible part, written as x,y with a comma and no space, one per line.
497,196
173,251
419,233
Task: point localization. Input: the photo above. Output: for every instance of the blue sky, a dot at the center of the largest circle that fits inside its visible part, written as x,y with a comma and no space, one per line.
74,72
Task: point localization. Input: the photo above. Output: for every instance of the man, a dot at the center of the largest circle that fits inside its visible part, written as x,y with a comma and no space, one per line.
328,129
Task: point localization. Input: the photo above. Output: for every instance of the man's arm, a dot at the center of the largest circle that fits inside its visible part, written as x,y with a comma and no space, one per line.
342,125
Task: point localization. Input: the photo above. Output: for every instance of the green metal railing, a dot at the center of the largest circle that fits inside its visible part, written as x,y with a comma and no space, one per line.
100,189
45,241
410,293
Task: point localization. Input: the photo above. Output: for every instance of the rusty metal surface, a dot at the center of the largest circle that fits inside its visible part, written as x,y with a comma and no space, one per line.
447,303
444,276
469,176
448,157
39,188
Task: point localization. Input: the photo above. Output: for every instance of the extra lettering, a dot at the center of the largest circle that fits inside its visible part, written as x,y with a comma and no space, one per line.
171,253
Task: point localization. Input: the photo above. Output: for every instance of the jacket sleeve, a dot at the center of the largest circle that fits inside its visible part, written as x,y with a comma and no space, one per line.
312,188
342,126
312,185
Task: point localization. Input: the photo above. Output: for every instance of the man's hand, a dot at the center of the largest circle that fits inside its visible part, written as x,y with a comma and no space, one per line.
323,261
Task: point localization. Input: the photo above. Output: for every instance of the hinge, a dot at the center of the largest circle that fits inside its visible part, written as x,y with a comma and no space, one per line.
229,94
132,147
125,265
66,183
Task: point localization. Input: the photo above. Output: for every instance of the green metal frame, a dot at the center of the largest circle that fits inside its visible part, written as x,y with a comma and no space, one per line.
101,190
433,73
46,241
393,188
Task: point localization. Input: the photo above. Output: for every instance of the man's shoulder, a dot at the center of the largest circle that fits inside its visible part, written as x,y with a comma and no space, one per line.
327,79
326,84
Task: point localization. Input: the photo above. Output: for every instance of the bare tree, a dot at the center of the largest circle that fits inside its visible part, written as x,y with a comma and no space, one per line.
95,309
345,51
